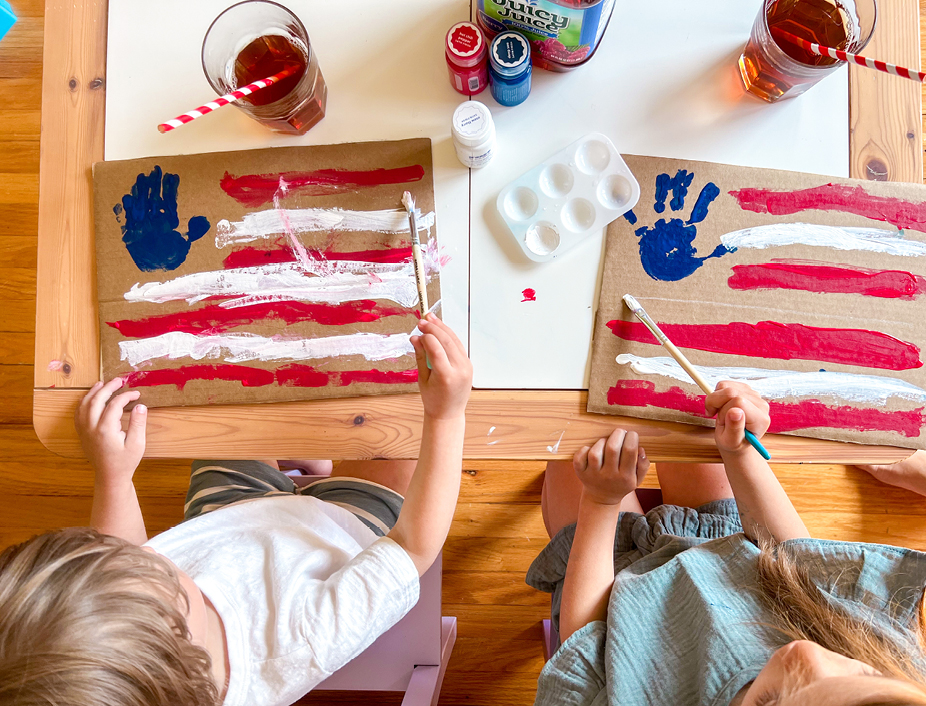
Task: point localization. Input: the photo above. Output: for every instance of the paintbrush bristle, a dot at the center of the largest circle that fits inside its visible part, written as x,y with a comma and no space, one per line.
408,201
632,303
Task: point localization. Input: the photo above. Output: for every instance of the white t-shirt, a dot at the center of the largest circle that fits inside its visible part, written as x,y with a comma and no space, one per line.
302,587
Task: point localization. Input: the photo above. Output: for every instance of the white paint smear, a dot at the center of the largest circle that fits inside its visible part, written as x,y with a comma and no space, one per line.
284,282
553,449
871,239
780,384
242,347
271,223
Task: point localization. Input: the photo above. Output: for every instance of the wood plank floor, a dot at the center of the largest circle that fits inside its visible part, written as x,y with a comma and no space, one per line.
497,529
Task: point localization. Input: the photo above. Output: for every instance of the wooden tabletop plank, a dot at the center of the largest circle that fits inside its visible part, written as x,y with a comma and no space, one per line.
885,112
884,143
536,424
73,108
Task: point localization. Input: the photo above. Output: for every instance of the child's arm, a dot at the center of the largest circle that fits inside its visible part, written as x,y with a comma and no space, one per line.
610,470
432,494
764,507
114,455
909,474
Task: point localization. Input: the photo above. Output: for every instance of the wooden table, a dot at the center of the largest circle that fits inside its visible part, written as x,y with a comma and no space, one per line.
885,144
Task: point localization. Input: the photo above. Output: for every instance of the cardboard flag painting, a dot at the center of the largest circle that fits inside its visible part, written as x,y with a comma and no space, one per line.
263,276
810,289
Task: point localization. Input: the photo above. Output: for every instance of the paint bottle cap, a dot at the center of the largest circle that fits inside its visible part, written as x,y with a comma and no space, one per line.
472,124
465,45
510,55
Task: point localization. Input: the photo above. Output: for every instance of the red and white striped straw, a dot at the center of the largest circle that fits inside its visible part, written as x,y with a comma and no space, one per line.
854,58
225,100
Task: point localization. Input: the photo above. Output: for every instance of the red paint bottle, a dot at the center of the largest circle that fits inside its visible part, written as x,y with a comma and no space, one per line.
466,52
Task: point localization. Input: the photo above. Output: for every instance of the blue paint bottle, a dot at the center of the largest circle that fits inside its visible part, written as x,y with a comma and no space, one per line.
7,18
510,68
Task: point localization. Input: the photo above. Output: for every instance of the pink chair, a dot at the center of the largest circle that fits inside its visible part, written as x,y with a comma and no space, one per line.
412,656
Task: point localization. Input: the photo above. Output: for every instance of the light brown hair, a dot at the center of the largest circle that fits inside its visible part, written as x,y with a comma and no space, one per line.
802,612
91,620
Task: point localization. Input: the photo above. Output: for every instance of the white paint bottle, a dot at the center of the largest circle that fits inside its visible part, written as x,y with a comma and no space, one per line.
473,131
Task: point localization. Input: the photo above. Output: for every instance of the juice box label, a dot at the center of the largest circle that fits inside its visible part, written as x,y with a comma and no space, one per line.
540,20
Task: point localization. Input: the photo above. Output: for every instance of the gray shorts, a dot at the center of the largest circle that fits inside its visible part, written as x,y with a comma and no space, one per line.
215,484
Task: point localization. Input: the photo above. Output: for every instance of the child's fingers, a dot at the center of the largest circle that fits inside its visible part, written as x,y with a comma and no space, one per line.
642,465
734,425
596,455
629,452
612,448
98,403
421,358
436,353
448,340
135,436
720,397
112,415
580,459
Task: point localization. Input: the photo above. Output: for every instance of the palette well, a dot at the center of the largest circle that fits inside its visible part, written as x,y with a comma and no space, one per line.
568,197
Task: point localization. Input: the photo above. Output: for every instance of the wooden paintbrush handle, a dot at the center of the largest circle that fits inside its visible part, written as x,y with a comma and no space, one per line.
688,367
420,279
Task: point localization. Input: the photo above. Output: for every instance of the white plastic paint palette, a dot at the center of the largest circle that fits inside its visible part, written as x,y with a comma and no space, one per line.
570,196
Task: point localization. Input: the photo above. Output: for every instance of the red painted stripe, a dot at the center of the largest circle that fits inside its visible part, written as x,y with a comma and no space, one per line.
214,318
827,278
248,377
255,257
297,375
770,339
259,189
835,197
288,376
786,416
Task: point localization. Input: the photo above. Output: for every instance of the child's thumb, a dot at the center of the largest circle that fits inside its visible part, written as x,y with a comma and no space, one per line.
138,420
735,425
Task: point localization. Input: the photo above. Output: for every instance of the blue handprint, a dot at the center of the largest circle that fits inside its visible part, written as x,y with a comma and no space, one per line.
150,231
667,250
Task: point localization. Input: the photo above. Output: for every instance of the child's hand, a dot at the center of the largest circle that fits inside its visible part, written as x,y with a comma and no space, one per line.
114,453
909,473
738,407
612,468
446,385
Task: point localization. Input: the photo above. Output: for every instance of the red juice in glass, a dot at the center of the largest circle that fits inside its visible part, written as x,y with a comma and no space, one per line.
773,68
256,39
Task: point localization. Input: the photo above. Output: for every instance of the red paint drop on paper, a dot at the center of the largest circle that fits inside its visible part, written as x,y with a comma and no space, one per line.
255,257
770,339
529,295
214,319
248,377
826,278
259,189
834,197
786,416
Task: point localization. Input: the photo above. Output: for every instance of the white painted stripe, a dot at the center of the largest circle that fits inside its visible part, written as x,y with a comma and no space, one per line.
243,347
870,239
282,282
274,222
780,384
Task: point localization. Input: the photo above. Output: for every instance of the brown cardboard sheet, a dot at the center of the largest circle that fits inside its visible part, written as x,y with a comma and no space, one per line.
847,318
160,229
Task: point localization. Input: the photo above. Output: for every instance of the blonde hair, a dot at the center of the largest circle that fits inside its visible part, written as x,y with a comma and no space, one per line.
90,620
802,612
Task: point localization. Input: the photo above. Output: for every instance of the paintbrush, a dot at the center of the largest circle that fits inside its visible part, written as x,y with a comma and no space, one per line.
680,358
409,202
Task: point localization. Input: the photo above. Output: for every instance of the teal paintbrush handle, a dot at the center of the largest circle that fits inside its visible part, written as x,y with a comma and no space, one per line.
757,445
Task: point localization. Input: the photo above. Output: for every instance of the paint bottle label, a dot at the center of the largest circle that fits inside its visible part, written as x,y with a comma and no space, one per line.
562,34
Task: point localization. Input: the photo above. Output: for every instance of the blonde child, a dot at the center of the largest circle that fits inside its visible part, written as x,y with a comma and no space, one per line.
719,596
259,595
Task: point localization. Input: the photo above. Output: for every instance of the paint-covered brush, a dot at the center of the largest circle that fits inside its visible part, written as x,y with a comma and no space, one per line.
409,202
228,98
680,358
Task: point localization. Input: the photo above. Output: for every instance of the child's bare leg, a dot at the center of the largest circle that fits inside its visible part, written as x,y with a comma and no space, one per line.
692,484
395,475
559,499
312,467
271,462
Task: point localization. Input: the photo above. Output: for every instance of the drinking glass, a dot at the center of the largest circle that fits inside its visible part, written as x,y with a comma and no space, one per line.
774,69
224,62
